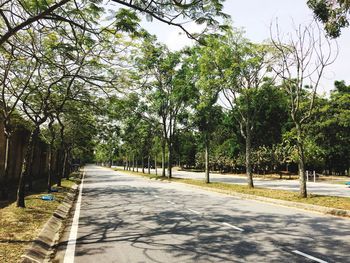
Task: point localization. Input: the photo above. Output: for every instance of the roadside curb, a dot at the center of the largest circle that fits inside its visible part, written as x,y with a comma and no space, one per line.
303,206
309,207
42,247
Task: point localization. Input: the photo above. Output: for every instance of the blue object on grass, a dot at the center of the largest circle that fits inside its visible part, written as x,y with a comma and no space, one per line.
347,183
47,197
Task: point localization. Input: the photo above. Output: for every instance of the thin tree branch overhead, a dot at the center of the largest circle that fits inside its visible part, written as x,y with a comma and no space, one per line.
18,15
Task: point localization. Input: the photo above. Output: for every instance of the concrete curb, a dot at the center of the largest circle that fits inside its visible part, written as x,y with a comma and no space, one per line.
42,247
303,206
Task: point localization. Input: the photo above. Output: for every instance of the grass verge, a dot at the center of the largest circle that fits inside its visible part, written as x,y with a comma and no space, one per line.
20,226
320,200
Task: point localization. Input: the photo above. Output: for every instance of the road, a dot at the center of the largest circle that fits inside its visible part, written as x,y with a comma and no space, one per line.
290,185
125,218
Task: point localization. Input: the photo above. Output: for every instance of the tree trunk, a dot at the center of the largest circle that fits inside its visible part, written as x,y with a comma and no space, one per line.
155,164
31,160
4,181
163,158
143,165
248,159
133,163
170,160
207,179
30,169
68,164
22,179
63,168
49,177
301,163
149,164
137,166
58,168
40,163
51,159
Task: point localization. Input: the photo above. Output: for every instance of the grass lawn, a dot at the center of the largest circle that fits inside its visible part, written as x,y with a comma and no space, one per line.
327,201
20,226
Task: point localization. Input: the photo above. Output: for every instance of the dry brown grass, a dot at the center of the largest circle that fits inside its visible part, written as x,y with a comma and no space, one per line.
20,226
320,200
327,201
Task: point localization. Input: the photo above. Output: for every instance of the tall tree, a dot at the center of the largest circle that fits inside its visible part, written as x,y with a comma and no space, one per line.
207,113
240,67
19,65
66,65
300,65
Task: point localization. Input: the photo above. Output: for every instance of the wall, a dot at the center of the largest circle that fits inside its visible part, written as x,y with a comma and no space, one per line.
18,145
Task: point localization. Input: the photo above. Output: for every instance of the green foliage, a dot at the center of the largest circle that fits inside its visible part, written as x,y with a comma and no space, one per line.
80,130
272,116
127,20
333,14
330,129
156,95
37,6
185,147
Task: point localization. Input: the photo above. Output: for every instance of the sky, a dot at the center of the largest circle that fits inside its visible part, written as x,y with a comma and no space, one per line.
255,17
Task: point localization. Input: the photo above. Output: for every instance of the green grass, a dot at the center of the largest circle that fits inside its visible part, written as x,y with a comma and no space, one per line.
320,200
20,226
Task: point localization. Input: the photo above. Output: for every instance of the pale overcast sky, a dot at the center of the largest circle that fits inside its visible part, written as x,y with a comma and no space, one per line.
255,16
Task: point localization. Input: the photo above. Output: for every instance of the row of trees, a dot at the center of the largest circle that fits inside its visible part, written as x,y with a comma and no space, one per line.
58,64
53,77
230,104
42,81
274,138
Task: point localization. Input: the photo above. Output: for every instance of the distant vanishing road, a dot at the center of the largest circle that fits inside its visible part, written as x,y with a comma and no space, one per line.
125,218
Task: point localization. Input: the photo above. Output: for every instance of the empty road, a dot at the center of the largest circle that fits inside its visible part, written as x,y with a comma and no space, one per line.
125,218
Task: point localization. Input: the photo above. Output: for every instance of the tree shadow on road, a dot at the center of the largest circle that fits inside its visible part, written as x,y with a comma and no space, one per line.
128,220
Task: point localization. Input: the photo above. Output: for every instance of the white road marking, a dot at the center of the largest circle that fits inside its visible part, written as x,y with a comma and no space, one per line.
309,256
193,211
232,226
156,196
70,250
171,202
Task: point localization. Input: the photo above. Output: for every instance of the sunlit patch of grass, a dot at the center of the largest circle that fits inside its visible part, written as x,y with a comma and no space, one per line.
20,226
74,178
320,200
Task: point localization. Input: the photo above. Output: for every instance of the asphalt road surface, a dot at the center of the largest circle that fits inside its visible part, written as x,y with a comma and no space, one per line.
125,218
290,185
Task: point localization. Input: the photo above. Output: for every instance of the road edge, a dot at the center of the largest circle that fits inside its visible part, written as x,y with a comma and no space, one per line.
308,207
42,247
343,213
